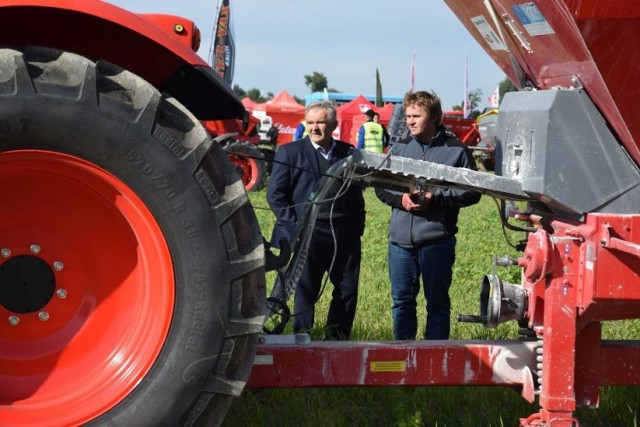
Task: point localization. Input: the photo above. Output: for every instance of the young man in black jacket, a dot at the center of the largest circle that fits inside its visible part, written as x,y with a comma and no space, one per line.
423,224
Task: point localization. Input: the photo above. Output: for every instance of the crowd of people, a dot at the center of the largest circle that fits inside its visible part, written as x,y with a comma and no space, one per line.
422,229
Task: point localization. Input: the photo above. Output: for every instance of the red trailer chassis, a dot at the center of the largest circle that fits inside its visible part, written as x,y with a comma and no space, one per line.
574,276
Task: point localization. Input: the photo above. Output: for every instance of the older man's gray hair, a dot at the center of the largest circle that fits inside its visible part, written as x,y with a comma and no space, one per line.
330,107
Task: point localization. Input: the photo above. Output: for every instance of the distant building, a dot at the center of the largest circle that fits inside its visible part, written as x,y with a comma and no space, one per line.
342,98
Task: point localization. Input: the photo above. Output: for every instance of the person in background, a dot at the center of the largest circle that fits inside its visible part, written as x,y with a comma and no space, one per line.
297,168
370,134
385,135
272,134
423,224
300,132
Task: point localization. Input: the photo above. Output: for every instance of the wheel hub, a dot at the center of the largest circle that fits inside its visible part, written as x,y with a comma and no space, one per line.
27,284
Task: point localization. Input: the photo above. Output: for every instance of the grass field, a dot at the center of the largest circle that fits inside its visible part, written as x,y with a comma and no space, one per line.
480,237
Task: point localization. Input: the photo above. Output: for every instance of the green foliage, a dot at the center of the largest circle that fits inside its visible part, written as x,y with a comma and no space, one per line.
475,96
506,86
254,94
316,81
480,237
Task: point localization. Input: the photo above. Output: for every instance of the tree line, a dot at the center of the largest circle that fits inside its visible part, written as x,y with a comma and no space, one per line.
317,82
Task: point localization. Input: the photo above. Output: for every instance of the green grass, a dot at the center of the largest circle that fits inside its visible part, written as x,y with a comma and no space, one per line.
480,237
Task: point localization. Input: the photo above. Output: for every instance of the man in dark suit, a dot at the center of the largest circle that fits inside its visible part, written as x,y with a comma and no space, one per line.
297,168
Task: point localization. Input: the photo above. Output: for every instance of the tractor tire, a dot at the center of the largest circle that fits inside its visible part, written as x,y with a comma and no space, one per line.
132,269
248,160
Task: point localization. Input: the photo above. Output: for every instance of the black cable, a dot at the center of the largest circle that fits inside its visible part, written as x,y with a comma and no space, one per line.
505,224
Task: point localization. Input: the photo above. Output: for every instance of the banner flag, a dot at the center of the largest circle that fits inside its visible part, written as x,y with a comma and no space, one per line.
379,102
494,99
466,108
412,79
224,45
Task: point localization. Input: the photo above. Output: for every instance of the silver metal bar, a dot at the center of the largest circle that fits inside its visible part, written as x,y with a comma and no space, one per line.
380,170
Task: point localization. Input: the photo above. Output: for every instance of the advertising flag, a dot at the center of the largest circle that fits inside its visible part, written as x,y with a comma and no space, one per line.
494,99
378,102
224,45
466,108
412,79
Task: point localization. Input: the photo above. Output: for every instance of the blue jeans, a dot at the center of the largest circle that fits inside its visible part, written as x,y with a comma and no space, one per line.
434,262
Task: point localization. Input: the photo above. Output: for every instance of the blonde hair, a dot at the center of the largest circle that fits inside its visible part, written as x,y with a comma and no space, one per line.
429,101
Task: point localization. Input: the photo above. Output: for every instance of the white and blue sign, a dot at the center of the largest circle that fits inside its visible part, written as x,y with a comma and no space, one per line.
532,19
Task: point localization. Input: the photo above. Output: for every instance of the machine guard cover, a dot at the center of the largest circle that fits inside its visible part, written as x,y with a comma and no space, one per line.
566,43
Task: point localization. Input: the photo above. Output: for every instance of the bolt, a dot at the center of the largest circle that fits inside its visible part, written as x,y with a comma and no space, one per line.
14,320
43,315
58,265
6,253
35,249
603,242
62,293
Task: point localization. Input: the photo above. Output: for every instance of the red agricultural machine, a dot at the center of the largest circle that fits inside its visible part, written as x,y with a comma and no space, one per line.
241,141
132,286
476,133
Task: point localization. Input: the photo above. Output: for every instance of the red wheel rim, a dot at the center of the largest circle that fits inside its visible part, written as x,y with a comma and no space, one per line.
246,167
104,332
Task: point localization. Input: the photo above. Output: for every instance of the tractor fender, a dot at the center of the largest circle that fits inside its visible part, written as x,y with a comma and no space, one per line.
147,45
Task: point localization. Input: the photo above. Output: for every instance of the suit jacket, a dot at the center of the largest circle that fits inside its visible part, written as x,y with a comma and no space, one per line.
294,176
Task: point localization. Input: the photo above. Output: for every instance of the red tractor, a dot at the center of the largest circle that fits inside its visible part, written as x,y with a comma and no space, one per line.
241,141
132,279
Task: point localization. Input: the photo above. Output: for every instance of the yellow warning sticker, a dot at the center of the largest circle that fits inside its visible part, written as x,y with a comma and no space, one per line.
389,366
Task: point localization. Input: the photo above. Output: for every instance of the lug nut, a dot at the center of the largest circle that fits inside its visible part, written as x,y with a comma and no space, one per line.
43,315
14,320
62,293
35,249
6,253
58,265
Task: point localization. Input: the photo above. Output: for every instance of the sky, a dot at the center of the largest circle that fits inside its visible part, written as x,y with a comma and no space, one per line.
278,42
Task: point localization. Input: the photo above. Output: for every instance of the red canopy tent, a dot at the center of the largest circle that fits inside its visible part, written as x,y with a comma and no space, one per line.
385,113
350,117
249,103
285,112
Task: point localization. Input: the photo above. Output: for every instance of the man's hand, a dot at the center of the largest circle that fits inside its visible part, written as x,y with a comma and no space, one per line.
416,201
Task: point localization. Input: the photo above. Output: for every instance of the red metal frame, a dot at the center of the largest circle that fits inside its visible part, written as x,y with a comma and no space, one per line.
575,276
431,363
